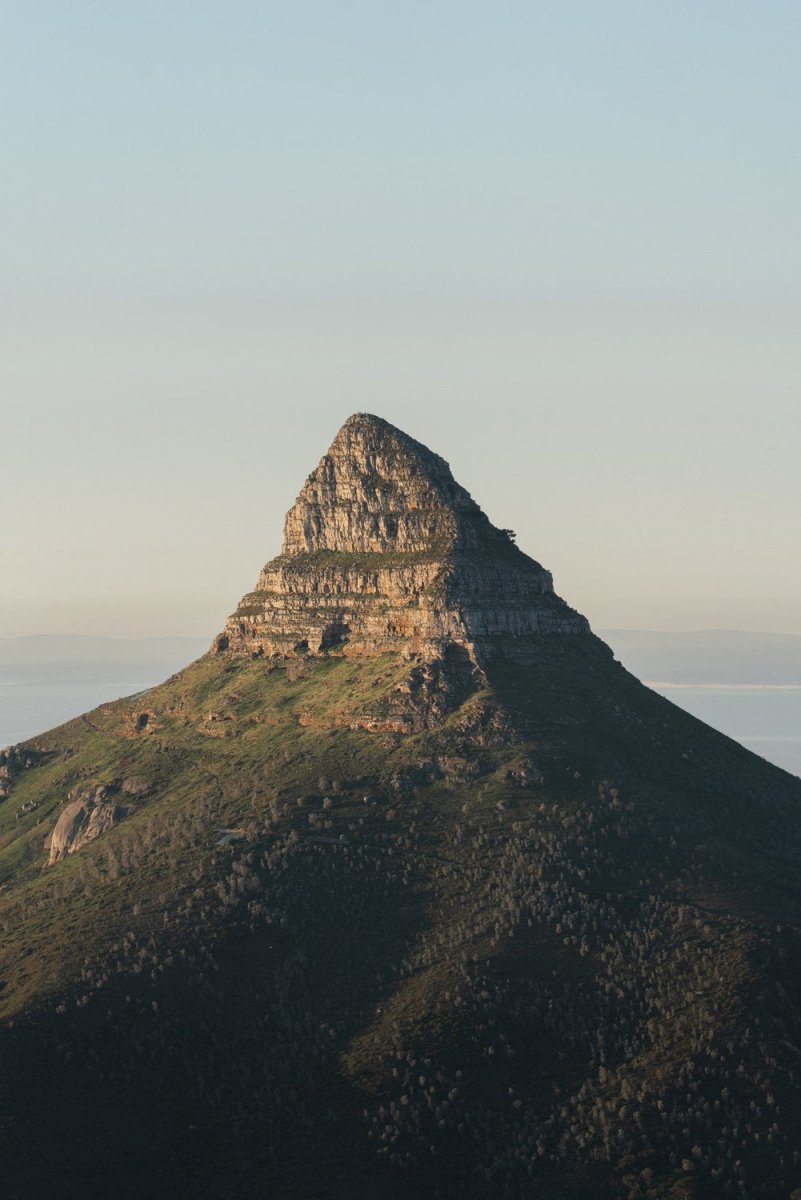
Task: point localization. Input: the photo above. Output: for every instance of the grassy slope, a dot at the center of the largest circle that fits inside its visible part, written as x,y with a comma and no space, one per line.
200,774
581,928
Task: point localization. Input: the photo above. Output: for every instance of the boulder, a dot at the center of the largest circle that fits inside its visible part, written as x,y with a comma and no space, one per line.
83,819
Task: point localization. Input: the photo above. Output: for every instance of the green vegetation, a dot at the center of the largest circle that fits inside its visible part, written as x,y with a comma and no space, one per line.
345,560
545,943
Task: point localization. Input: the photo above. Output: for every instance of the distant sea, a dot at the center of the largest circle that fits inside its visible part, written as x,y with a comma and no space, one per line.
765,719
47,681
30,706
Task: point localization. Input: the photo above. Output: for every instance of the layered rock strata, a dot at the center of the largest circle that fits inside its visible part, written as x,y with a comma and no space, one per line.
384,551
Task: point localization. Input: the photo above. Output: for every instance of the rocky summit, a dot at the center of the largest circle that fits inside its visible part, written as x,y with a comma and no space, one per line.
406,888
384,552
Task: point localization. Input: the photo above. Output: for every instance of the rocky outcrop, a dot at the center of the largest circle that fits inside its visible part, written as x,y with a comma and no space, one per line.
85,817
13,760
384,551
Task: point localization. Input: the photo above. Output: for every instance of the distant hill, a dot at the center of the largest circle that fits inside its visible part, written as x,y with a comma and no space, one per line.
405,889
708,656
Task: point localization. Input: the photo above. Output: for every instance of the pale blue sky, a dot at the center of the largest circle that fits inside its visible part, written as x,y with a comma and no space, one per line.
558,242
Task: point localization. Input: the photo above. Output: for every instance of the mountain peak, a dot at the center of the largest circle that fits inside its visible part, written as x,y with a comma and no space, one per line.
383,550
401,893
377,491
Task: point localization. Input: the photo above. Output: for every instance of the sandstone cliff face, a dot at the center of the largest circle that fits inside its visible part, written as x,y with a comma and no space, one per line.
384,551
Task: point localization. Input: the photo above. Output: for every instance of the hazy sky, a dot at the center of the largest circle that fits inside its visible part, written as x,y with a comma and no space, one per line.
558,242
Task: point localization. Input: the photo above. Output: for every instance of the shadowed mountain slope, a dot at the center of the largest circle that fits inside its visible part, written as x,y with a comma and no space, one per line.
447,904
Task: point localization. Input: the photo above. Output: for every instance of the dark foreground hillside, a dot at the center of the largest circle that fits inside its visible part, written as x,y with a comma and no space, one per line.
554,944
407,889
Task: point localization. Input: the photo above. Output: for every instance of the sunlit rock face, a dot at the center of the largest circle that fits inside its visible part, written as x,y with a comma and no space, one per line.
384,551
85,817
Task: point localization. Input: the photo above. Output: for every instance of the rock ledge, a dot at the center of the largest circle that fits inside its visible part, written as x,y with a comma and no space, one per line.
384,551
